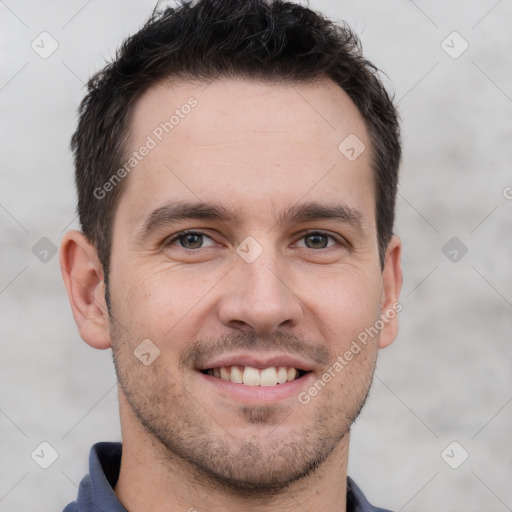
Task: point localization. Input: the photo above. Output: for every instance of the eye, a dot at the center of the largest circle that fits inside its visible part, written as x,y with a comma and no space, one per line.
317,240
191,240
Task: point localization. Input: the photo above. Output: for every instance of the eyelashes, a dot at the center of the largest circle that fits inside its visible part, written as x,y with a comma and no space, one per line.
198,235
197,239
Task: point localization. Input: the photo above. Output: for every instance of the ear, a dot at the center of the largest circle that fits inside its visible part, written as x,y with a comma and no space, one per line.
83,276
391,286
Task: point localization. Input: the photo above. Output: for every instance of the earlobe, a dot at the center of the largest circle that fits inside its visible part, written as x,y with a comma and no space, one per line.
392,284
83,277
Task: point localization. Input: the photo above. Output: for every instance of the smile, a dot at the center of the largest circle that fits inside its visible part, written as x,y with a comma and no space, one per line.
251,376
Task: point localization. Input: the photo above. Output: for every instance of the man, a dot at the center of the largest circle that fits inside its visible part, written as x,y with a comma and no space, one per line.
236,168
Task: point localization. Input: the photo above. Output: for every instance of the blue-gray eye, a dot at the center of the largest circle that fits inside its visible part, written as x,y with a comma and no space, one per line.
317,241
192,240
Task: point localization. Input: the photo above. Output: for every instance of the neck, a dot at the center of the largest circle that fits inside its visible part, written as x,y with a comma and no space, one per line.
153,478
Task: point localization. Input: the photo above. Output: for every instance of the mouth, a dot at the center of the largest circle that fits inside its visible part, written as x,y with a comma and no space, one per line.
251,376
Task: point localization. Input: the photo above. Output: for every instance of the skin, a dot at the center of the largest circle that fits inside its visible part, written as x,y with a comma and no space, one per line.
258,148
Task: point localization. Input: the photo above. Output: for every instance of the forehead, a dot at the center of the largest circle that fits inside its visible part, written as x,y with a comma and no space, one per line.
246,143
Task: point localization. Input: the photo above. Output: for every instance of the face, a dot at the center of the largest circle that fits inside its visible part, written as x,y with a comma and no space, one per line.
245,249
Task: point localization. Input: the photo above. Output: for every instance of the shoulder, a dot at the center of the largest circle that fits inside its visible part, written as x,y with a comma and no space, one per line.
356,500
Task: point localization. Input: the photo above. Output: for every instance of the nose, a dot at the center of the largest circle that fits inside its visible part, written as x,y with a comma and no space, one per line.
259,297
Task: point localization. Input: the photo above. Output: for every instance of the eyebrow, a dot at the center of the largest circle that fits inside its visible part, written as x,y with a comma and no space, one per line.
299,213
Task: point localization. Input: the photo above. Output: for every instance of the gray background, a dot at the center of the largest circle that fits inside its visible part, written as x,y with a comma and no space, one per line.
447,377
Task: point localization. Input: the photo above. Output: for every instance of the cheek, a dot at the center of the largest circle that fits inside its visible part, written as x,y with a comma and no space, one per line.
344,305
165,303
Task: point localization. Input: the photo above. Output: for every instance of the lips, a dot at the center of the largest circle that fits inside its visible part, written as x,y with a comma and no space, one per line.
260,361
254,370
216,388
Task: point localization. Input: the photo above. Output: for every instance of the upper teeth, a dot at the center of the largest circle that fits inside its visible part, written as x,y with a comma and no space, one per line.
255,376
